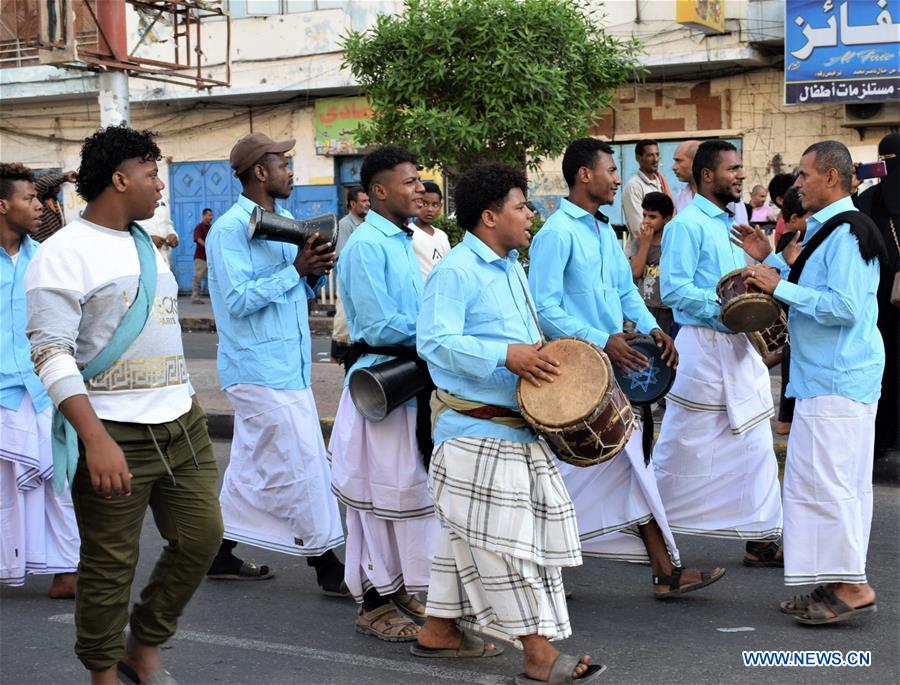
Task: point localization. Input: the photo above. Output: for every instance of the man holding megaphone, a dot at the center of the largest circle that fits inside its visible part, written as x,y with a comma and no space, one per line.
276,490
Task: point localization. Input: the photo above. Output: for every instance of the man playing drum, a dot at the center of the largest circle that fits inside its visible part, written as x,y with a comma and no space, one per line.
583,288
715,464
836,366
508,524
377,469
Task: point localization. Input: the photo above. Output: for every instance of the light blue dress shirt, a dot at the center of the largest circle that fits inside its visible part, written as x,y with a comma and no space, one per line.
581,280
474,307
836,347
260,304
696,252
381,287
17,375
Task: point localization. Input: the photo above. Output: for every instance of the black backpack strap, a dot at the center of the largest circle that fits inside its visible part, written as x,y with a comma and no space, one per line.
871,243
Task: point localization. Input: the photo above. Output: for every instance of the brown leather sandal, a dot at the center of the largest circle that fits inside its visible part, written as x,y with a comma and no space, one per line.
386,624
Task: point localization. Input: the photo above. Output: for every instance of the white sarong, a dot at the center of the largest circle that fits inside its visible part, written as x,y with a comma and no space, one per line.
276,491
714,460
828,491
612,499
38,531
377,472
508,529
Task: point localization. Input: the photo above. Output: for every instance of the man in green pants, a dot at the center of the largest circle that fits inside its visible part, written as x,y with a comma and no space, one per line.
141,440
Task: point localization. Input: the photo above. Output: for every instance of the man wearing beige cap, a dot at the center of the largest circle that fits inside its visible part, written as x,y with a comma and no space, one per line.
276,492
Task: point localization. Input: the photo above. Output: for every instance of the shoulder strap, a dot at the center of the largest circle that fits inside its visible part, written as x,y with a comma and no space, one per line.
871,244
132,323
64,440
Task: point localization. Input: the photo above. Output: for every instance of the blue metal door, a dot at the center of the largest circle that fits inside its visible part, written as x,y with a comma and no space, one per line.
196,185
307,201
628,167
193,187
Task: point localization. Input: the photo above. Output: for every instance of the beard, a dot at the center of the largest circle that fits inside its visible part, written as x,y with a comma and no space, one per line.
725,194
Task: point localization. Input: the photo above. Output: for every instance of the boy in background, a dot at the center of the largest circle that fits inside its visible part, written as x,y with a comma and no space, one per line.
644,255
429,242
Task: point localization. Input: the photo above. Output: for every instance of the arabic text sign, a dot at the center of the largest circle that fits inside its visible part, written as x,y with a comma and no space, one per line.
337,120
841,51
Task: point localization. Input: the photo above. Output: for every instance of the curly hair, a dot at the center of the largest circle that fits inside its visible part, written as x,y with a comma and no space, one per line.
103,153
485,187
9,173
383,159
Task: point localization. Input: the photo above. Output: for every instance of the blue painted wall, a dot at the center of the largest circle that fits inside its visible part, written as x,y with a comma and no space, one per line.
195,185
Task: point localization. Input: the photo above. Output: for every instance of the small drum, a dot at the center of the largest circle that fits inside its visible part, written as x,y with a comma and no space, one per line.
771,339
745,309
583,415
650,385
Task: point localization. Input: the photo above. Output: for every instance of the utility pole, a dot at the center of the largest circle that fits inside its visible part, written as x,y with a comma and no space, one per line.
113,97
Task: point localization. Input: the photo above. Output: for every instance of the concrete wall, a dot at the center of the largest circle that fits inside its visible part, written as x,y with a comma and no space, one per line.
747,105
55,132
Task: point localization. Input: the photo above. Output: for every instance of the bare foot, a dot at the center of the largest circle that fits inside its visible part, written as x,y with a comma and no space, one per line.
142,658
63,586
443,633
540,657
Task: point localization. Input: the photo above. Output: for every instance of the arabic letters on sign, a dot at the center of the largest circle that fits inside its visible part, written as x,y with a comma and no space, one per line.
883,31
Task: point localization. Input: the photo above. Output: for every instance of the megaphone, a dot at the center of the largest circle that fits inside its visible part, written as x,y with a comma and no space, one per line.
266,225
378,390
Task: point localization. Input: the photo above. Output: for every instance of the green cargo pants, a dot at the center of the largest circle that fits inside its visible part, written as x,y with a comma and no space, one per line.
176,476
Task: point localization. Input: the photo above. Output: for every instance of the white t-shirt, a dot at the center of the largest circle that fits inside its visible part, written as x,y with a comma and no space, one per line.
429,249
78,287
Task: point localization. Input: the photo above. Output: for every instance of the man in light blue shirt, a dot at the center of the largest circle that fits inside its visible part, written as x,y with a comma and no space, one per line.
276,491
583,287
837,361
40,534
377,469
715,462
497,492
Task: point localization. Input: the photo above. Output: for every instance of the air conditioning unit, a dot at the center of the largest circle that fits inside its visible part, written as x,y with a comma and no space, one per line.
866,114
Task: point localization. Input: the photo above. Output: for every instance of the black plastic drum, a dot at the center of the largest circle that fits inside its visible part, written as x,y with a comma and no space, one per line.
650,385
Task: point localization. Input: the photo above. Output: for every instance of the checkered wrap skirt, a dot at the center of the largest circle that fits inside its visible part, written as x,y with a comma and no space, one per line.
508,528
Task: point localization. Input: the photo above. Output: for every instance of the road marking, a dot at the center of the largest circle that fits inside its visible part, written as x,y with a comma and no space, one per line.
741,629
407,667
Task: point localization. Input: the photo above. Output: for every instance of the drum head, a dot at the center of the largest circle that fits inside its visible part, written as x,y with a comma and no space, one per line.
752,312
651,384
575,394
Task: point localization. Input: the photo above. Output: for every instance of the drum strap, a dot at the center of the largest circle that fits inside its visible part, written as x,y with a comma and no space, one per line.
531,309
423,406
871,243
647,432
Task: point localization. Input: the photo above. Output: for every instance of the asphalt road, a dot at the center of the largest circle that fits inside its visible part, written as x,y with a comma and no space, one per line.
200,345
284,631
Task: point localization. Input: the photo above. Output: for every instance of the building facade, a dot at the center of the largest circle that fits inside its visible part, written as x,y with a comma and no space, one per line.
287,81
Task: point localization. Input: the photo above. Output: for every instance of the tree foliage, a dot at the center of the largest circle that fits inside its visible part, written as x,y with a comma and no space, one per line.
464,81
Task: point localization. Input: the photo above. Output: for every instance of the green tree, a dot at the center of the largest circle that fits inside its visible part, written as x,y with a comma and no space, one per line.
465,81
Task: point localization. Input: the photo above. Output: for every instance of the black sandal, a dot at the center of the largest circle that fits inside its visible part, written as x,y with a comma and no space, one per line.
766,557
675,586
